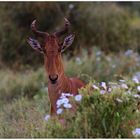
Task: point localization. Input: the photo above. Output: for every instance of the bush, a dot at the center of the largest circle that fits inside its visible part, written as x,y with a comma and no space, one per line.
16,85
15,29
105,25
110,115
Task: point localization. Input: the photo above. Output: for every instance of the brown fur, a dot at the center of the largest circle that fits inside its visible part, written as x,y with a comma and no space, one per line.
53,65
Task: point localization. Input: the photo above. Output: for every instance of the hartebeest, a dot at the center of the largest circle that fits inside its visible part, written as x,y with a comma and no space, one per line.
58,82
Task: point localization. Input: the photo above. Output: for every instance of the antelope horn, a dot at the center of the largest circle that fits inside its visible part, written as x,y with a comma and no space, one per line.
64,30
36,32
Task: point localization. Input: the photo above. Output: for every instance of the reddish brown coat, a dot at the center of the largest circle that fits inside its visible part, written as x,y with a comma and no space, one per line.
58,82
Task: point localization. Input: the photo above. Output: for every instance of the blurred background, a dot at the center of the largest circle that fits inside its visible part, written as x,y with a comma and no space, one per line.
112,27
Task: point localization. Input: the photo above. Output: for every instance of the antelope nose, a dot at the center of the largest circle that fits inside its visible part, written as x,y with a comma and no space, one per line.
53,78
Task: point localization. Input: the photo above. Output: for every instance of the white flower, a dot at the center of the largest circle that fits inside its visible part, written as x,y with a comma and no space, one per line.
67,105
102,91
122,81
113,66
98,53
78,97
59,111
124,86
62,96
78,60
128,52
136,95
66,94
128,92
138,88
108,58
119,100
109,89
136,132
62,101
65,100
71,6
59,103
95,87
135,79
47,117
103,84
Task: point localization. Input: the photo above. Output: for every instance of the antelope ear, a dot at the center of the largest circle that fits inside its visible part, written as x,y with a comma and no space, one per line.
35,45
67,42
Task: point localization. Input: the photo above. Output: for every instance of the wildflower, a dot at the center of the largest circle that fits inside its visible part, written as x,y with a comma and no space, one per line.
136,132
59,102
137,75
66,94
71,6
135,79
65,100
108,58
98,53
138,88
128,52
136,95
59,111
119,100
109,89
62,96
103,84
62,101
78,97
67,105
129,92
122,81
95,87
78,60
124,86
47,117
102,91
113,66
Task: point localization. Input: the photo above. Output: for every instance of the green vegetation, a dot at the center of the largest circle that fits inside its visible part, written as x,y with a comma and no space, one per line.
112,27
106,51
24,100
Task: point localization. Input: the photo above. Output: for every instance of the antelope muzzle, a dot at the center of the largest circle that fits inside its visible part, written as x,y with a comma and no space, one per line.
53,78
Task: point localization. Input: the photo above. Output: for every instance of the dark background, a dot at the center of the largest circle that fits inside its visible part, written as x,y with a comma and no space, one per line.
113,27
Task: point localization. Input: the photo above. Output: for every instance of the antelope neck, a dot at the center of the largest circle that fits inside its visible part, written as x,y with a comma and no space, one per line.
63,83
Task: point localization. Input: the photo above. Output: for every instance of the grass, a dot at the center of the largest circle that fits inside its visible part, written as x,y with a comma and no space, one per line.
24,100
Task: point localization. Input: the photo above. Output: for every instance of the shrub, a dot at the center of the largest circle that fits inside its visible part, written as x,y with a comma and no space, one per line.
105,25
16,85
110,115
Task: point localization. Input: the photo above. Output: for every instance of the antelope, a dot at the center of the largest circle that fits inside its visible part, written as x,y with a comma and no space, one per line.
52,48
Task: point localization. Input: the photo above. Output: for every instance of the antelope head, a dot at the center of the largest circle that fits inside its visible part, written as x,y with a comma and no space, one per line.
52,49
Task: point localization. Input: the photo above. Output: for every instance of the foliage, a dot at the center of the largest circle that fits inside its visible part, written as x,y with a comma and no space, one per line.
102,24
109,26
24,101
14,85
15,28
98,116
103,67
